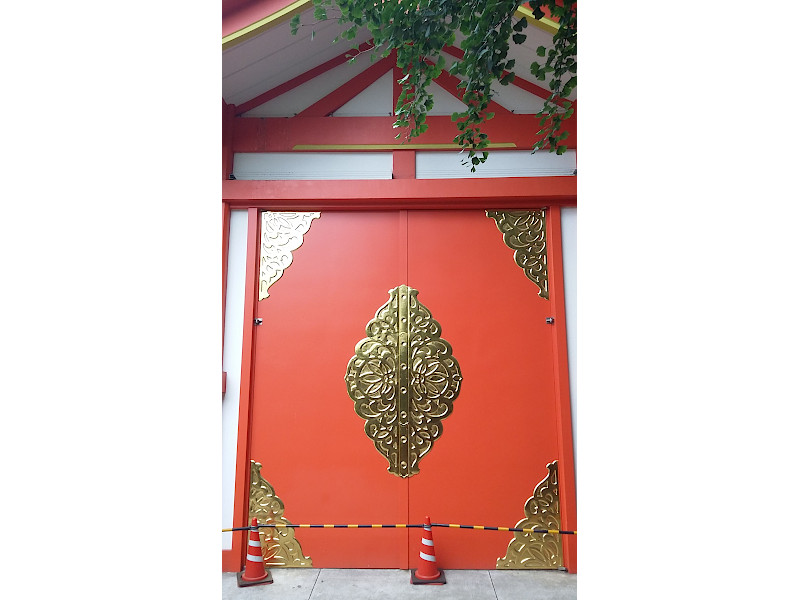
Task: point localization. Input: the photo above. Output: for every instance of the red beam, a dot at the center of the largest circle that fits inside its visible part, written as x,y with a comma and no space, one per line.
402,194
521,83
283,135
300,79
450,84
349,90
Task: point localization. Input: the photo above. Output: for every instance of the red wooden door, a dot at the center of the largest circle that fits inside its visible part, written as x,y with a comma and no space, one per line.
494,445
502,432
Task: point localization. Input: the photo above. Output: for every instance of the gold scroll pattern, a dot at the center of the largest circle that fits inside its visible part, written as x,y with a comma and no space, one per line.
403,380
538,550
524,232
278,545
281,234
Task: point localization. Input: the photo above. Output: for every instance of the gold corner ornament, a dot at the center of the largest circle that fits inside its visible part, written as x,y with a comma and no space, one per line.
524,232
281,234
538,550
403,380
278,545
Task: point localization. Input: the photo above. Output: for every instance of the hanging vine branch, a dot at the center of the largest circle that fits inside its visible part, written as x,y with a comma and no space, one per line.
420,29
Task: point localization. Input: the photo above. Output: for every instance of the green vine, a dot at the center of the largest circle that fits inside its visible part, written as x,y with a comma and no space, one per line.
418,30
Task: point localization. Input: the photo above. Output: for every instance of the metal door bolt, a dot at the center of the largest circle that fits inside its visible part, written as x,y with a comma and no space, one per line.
550,320
258,321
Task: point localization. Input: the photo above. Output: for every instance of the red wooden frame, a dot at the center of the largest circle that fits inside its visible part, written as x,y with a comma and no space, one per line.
449,83
404,164
301,79
399,194
227,139
238,14
518,81
233,559
566,459
275,134
404,194
349,90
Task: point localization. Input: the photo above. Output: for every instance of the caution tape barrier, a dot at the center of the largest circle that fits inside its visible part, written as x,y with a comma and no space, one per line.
401,526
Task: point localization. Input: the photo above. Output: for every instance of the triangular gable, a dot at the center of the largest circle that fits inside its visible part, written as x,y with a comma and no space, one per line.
375,101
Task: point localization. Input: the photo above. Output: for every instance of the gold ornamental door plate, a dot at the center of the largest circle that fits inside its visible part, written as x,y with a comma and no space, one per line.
538,550
403,380
525,232
279,547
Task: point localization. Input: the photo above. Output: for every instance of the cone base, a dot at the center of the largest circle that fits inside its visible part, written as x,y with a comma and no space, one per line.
440,580
241,582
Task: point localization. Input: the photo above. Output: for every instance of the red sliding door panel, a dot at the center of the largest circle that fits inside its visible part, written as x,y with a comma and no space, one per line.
501,434
304,430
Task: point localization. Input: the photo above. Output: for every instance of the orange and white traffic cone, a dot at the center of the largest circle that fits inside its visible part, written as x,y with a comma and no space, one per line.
427,572
254,572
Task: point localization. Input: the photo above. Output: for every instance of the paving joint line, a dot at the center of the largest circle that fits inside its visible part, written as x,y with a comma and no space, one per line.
492,582
315,584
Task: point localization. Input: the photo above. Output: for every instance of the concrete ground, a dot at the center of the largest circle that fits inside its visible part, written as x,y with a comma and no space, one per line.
369,584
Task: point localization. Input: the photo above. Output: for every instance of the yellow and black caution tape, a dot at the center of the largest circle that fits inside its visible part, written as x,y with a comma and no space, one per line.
402,526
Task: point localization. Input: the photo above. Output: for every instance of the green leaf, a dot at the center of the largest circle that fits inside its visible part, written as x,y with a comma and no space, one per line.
541,50
519,38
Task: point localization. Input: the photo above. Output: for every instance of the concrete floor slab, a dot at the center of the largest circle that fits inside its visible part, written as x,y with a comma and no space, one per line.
368,584
541,585
288,584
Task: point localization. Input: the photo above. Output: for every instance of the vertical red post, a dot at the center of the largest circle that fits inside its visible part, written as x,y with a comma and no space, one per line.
404,164
566,462
228,112
233,559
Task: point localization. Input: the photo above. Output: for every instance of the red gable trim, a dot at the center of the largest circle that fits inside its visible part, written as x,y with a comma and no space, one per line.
521,83
238,14
350,89
301,79
450,84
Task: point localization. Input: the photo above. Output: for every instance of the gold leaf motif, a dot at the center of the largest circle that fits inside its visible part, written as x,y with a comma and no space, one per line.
278,545
281,234
403,380
538,550
524,232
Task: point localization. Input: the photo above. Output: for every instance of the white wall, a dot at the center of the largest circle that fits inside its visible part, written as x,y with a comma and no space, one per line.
232,363
569,245
312,165
501,163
